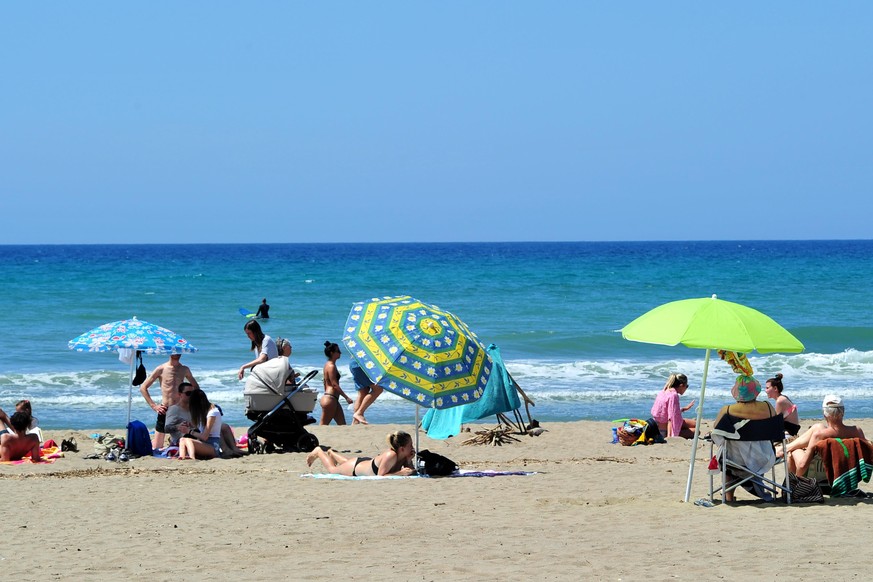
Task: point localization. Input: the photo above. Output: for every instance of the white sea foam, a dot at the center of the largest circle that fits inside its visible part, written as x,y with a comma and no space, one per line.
804,374
562,390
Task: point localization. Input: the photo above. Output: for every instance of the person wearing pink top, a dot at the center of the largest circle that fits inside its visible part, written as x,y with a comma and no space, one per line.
667,412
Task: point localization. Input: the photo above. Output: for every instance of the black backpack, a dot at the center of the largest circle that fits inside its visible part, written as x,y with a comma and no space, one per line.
435,465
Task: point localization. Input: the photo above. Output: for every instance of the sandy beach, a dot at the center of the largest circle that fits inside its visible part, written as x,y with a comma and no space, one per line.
593,511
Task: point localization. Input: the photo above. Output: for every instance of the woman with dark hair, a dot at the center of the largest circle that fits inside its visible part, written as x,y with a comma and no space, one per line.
203,442
396,461
262,344
330,406
667,412
784,406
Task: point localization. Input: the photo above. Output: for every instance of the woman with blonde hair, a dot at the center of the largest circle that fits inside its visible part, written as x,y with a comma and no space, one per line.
667,412
396,461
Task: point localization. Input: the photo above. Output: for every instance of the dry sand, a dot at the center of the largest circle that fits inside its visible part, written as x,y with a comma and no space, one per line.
594,511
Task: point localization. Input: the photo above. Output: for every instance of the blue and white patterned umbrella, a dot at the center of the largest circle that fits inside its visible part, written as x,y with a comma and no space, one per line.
131,334
417,351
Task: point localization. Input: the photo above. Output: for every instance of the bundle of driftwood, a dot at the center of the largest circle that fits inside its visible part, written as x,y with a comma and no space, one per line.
496,437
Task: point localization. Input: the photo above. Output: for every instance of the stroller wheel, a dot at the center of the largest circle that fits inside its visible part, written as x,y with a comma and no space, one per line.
269,448
307,442
254,445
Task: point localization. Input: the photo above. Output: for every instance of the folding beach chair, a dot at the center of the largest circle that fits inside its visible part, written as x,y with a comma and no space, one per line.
500,398
517,422
745,454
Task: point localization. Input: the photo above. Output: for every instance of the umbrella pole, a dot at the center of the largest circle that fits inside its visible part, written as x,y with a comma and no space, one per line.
130,387
697,428
417,406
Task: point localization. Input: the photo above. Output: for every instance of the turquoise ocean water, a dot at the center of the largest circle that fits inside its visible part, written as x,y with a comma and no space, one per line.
553,309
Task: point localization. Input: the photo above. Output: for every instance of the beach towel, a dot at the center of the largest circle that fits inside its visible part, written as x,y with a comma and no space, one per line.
49,455
847,462
458,473
498,397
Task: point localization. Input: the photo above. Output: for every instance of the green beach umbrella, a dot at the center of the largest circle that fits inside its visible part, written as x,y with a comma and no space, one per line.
710,324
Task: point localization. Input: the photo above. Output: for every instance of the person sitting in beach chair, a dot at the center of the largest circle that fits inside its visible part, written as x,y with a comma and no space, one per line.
802,449
745,432
16,445
840,465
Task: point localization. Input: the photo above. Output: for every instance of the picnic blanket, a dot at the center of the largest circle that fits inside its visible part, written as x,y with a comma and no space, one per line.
49,455
847,462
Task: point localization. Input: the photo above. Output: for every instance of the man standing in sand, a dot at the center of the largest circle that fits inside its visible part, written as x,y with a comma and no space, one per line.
170,374
16,445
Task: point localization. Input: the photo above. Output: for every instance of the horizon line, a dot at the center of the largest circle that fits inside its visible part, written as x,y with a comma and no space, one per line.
388,242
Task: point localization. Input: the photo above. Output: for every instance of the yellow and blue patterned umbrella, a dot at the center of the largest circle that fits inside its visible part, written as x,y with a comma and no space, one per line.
417,351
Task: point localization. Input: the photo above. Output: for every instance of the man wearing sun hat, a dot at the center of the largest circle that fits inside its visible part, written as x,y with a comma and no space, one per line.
800,450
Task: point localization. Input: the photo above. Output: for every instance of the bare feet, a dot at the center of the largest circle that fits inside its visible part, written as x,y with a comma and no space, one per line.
359,418
310,458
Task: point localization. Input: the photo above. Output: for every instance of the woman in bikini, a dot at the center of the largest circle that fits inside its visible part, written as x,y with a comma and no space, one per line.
396,461
330,406
784,406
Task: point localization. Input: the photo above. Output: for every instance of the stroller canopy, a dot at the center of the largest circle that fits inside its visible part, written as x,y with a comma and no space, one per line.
269,377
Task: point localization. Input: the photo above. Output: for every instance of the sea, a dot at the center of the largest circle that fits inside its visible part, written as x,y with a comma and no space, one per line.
553,308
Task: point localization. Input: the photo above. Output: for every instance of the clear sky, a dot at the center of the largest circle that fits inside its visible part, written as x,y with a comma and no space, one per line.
134,122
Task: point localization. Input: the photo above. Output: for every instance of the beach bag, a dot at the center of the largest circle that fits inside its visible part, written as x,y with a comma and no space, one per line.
639,432
434,464
138,441
632,431
140,376
804,489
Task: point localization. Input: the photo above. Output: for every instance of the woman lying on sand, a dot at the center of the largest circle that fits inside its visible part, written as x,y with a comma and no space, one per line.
395,461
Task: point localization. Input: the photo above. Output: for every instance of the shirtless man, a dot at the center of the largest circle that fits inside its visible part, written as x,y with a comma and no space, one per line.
15,446
800,450
170,374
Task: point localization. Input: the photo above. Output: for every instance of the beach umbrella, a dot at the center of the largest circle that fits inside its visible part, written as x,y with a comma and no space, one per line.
131,334
418,351
710,324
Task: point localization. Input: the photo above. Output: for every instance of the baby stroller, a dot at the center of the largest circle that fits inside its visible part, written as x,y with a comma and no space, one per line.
280,410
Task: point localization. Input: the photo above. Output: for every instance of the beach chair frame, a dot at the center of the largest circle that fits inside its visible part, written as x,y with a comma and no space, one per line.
517,422
770,430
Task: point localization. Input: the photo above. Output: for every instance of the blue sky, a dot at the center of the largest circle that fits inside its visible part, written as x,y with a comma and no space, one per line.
284,121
